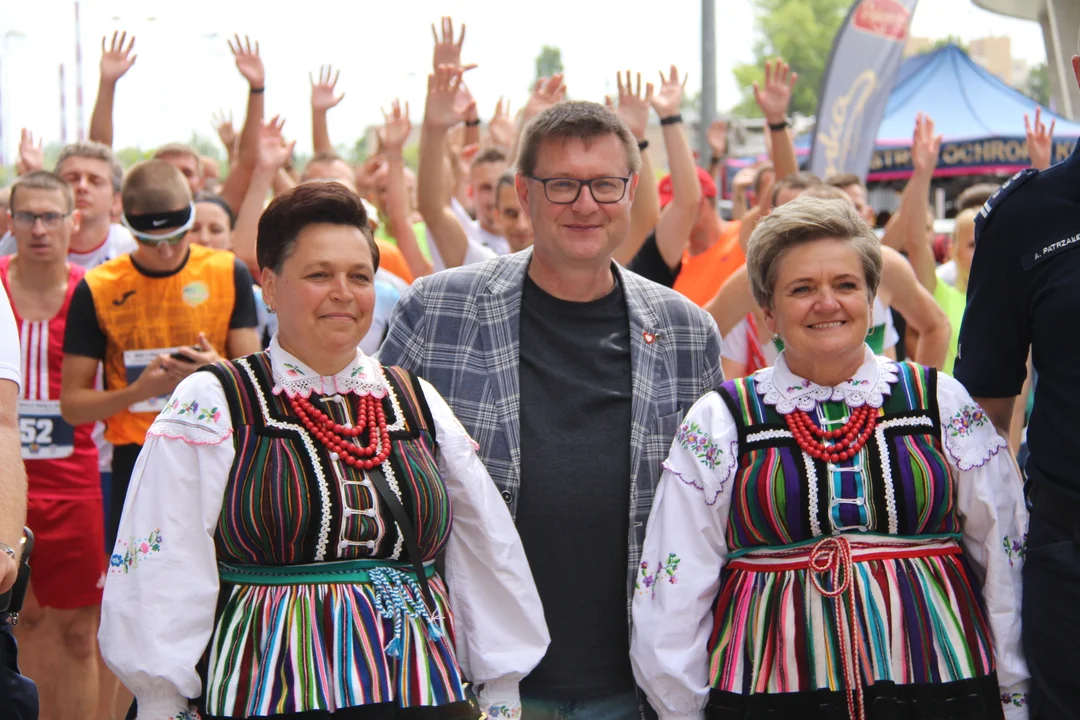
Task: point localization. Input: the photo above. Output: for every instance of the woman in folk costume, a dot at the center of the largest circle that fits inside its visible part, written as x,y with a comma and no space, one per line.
276,553
840,535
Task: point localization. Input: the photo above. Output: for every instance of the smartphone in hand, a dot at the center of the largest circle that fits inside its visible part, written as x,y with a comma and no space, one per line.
184,358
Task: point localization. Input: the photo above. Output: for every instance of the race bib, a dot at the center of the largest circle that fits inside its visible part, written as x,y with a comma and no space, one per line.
43,433
135,361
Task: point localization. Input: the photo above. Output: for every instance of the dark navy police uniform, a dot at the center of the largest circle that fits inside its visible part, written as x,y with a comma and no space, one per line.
1024,292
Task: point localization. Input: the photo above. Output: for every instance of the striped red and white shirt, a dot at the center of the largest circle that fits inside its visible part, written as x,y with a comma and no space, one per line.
61,460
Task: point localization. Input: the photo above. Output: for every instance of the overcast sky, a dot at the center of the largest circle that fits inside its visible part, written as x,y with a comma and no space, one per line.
185,71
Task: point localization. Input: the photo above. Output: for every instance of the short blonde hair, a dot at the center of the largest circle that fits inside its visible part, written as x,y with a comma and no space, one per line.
805,220
966,217
154,186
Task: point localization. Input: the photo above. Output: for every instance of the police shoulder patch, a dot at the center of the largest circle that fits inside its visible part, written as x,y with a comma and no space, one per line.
998,198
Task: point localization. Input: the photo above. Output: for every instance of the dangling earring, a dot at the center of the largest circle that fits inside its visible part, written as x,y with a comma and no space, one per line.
270,310
776,337
872,329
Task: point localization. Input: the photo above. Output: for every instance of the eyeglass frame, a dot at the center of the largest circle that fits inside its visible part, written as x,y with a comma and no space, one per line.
56,217
582,184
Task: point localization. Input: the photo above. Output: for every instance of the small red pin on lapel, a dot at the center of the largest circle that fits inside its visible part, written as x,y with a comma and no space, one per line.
649,337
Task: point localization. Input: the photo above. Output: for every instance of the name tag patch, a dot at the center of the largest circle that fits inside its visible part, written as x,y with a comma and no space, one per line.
43,433
1047,251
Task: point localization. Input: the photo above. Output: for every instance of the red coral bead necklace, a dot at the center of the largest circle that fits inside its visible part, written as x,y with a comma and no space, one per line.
851,437
338,438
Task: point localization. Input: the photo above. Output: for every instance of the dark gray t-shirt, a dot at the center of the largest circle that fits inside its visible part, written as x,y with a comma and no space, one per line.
574,506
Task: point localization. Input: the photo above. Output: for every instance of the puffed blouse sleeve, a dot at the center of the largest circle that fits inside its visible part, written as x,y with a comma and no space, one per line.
994,522
685,550
501,634
157,612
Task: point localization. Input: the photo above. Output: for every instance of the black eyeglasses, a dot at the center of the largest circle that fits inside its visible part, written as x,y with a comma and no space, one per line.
565,191
49,220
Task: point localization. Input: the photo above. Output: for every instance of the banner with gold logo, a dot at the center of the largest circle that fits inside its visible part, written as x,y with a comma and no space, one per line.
865,56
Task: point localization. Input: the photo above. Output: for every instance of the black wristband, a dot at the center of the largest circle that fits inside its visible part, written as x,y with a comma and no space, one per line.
715,160
780,125
671,119
256,91
642,145
472,123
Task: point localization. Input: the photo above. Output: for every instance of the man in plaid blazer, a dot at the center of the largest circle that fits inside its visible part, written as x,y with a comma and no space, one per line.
465,331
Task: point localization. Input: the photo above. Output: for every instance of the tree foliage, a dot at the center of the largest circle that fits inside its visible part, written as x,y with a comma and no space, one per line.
950,39
799,31
548,62
1037,86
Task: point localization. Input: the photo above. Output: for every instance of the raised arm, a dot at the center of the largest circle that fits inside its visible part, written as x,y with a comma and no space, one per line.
1040,140
442,110
732,302
633,109
901,290
773,98
273,152
678,218
116,59
915,203
501,130
223,126
323,98
716,136
31,156
394,133
547,92
251,67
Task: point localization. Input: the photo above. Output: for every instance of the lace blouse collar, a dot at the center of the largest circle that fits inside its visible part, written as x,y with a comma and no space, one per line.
781,388
363,376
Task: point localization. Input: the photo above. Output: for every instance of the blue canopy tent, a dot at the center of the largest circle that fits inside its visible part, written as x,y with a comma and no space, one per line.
980,116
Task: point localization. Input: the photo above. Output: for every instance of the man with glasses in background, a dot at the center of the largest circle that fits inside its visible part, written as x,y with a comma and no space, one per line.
572,375
151,318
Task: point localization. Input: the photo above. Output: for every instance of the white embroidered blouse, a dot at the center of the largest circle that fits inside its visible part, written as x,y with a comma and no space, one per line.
673,622
158,609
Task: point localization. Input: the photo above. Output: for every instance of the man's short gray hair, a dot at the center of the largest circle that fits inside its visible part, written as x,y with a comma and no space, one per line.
94,151
575,119
802,221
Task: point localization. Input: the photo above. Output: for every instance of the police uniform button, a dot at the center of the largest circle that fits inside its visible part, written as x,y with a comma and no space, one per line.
507,496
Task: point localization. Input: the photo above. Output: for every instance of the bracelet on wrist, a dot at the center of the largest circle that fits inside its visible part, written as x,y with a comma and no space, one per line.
716,160
642,145
780,125
472,123
671,119
256,91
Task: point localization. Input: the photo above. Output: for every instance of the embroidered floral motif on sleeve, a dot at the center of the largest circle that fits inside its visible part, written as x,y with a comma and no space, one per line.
1015,548
1015,699
187,715
664,571
966,420
970,437
504,711
191,411
692,437
133,552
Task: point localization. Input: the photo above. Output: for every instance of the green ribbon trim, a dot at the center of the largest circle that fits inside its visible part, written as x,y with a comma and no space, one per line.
339,572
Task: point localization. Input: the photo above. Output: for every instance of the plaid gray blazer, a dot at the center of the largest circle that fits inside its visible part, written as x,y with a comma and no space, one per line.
458,329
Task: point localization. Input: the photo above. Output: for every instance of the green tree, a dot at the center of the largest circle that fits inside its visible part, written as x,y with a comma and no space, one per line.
207,146
799,31
130,155
949,39
548,62
1037,86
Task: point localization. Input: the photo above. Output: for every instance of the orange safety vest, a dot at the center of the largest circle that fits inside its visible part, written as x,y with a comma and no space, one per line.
138,312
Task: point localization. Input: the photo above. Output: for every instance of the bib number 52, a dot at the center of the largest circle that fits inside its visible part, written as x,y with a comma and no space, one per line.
36,431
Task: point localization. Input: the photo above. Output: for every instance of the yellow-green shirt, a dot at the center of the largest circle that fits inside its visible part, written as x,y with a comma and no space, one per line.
953,302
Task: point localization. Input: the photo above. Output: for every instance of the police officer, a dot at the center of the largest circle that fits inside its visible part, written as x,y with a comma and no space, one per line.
18,694
1024,292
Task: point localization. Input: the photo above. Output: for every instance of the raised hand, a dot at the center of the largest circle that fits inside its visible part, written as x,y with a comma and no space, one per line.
116,59
633,107
501,128
774,96
396,128
273,151
717,137
924,145
248,62
224,128
31,156
322,92
547,92
446,105
447,52
668,99
1040,140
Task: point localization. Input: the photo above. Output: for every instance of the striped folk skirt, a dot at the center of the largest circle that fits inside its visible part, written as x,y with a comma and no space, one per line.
852,626
329,636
